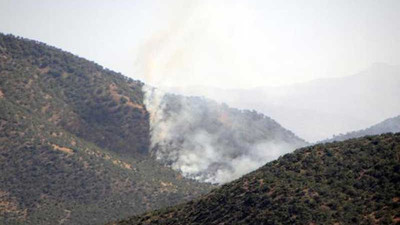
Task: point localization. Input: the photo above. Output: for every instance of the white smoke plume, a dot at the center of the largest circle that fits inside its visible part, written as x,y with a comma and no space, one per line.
211,142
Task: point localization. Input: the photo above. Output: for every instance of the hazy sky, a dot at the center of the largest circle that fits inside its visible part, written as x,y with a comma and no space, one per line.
219,43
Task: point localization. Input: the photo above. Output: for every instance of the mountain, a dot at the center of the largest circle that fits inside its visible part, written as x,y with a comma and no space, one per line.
74,142
391,125
81,144
213,142
350,182
318,109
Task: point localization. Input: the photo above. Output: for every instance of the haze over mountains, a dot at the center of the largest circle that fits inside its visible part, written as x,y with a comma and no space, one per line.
81,144
391,125
322,108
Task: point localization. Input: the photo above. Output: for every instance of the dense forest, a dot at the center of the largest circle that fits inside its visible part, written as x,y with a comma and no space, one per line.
352,182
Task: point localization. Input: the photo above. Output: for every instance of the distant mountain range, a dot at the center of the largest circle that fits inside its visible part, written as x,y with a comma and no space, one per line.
80,144
318,109
391,125
350,182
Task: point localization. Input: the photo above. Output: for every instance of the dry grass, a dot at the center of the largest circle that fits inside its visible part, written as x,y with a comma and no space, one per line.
63,149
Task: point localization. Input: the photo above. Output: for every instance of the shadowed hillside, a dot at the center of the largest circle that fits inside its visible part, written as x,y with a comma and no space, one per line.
350,182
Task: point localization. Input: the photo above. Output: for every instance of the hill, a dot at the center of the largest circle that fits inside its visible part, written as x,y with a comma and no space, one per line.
213,142
74,141
391,125
81,144
350,182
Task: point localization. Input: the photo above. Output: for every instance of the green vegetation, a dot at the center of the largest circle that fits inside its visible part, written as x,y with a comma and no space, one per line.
75,94
351,182
74,149
74,142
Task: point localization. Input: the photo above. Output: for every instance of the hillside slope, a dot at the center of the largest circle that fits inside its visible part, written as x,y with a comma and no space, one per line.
74,141
213,142
350,182
391,125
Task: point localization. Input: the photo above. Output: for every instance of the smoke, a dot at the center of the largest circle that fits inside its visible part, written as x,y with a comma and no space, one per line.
209,43
216,40
258,155
211,142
